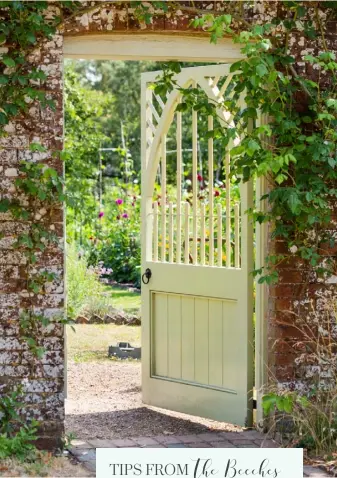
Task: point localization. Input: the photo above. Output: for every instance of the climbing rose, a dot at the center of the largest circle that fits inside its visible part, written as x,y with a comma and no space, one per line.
200,178
125,215
216,193
100,214
119,201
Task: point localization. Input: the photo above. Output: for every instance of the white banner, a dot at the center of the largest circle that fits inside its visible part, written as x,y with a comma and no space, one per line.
199,462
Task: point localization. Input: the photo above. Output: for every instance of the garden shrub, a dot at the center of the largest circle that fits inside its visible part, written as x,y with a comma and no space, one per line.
115,242
84,289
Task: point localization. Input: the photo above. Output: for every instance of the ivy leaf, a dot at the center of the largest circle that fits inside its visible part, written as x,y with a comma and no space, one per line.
39,351
252,146
261,70
288,404
4,205
258,30
41,195
280,178
332,162
31,37
3,118
268,402
301,11
293,201
235,66
331,103
37,147
8,61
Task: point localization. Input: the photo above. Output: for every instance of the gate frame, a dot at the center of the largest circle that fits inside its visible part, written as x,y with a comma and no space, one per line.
188,47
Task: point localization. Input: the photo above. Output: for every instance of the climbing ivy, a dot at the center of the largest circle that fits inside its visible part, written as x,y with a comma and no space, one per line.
295,146
295,149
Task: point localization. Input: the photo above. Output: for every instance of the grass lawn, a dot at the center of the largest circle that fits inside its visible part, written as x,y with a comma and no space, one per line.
91,341
122,298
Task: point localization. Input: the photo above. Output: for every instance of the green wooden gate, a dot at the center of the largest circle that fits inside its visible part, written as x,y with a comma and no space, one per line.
197,257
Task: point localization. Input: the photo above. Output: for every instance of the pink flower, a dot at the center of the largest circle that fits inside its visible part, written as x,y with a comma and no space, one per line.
100,214
125,215
119,201
200,178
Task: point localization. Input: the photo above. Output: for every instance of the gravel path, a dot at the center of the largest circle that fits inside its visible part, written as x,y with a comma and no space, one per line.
104,401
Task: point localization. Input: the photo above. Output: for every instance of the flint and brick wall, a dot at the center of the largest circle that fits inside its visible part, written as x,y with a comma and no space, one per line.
43,380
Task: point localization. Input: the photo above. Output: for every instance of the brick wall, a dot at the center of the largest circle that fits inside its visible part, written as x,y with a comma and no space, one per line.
302,299
43,379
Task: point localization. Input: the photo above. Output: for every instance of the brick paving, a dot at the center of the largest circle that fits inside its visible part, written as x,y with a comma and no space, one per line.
85,451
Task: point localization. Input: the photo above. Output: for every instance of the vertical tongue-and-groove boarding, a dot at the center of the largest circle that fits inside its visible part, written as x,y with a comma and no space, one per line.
197,257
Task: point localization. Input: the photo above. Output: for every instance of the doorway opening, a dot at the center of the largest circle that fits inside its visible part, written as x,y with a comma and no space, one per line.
103,166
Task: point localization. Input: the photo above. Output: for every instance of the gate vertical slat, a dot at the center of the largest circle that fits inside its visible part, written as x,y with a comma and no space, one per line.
219,235
163,199
228,211
170,235
211,192
202,235
179,174
237,235
155,232
187,233
195,182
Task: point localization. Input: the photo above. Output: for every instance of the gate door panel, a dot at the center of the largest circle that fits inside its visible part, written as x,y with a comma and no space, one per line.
197,312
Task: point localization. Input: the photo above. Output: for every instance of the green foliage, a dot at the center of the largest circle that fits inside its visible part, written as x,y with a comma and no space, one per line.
16,436
117,83
84,135
9,407
20,444
117,242
82,283
314,418
296,150
113,240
